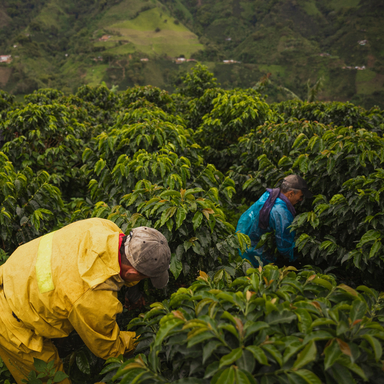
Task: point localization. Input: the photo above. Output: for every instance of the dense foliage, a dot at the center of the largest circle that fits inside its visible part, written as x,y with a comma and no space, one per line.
189,164
270,326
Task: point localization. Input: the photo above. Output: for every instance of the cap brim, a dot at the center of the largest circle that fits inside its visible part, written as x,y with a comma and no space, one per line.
161,281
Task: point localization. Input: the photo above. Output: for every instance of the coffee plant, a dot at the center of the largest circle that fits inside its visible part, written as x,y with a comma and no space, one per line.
347,228
270,326
189,164
48,138
45,372
194,84
153,95
30,205
336,113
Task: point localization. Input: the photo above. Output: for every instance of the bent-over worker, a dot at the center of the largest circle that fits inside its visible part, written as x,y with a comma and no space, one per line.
274,211
68,280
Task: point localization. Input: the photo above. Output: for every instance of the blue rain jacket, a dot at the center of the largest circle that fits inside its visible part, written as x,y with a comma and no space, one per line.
279,220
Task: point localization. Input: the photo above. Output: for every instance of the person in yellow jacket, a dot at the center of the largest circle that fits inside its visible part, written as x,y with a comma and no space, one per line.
68,280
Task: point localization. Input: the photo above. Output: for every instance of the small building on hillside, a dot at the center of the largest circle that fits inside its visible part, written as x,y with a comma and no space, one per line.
180,60
359,68
5,58
104,38
144,59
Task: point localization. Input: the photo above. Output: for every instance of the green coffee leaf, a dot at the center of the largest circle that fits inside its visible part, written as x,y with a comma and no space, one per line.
291,349
40,365
83,363
227,376
258,354
280,317
209,348
306,356
230,358
305,319
375,248
306,376
358,310
250,329
376,346
167,214
346,362
180,217
165,329
274,352
348,289
59,376
199,337
244,377
317,335
193,191
301,138
170,193
332,353
211,369
369,236
176,265
341,374
197,220
324,283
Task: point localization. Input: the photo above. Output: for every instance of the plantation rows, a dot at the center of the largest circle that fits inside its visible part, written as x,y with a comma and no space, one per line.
189,164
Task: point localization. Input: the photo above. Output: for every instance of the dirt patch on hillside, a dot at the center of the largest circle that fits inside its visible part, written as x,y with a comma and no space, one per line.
4,19
5,74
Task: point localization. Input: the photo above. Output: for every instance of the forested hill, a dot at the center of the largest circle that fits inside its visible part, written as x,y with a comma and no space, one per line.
66,44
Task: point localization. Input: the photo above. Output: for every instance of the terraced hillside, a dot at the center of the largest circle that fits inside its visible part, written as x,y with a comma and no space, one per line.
64,45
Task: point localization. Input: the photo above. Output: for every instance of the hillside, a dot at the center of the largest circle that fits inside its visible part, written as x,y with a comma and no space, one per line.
300,40
290,41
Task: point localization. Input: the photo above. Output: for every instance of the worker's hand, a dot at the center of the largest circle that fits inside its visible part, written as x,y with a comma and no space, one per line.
131,306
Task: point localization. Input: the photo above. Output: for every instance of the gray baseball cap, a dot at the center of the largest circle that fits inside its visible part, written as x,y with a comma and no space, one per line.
297,182
148,252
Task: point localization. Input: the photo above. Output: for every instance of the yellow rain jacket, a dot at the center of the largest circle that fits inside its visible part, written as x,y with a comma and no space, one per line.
63,281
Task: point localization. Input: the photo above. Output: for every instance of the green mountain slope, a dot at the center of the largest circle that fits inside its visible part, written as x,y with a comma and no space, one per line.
297,40
152,32
64,45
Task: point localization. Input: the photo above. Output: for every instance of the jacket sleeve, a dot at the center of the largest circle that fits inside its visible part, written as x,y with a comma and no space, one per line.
280,220
93,316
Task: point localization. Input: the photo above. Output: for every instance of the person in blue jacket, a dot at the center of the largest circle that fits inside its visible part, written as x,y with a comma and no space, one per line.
274,211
